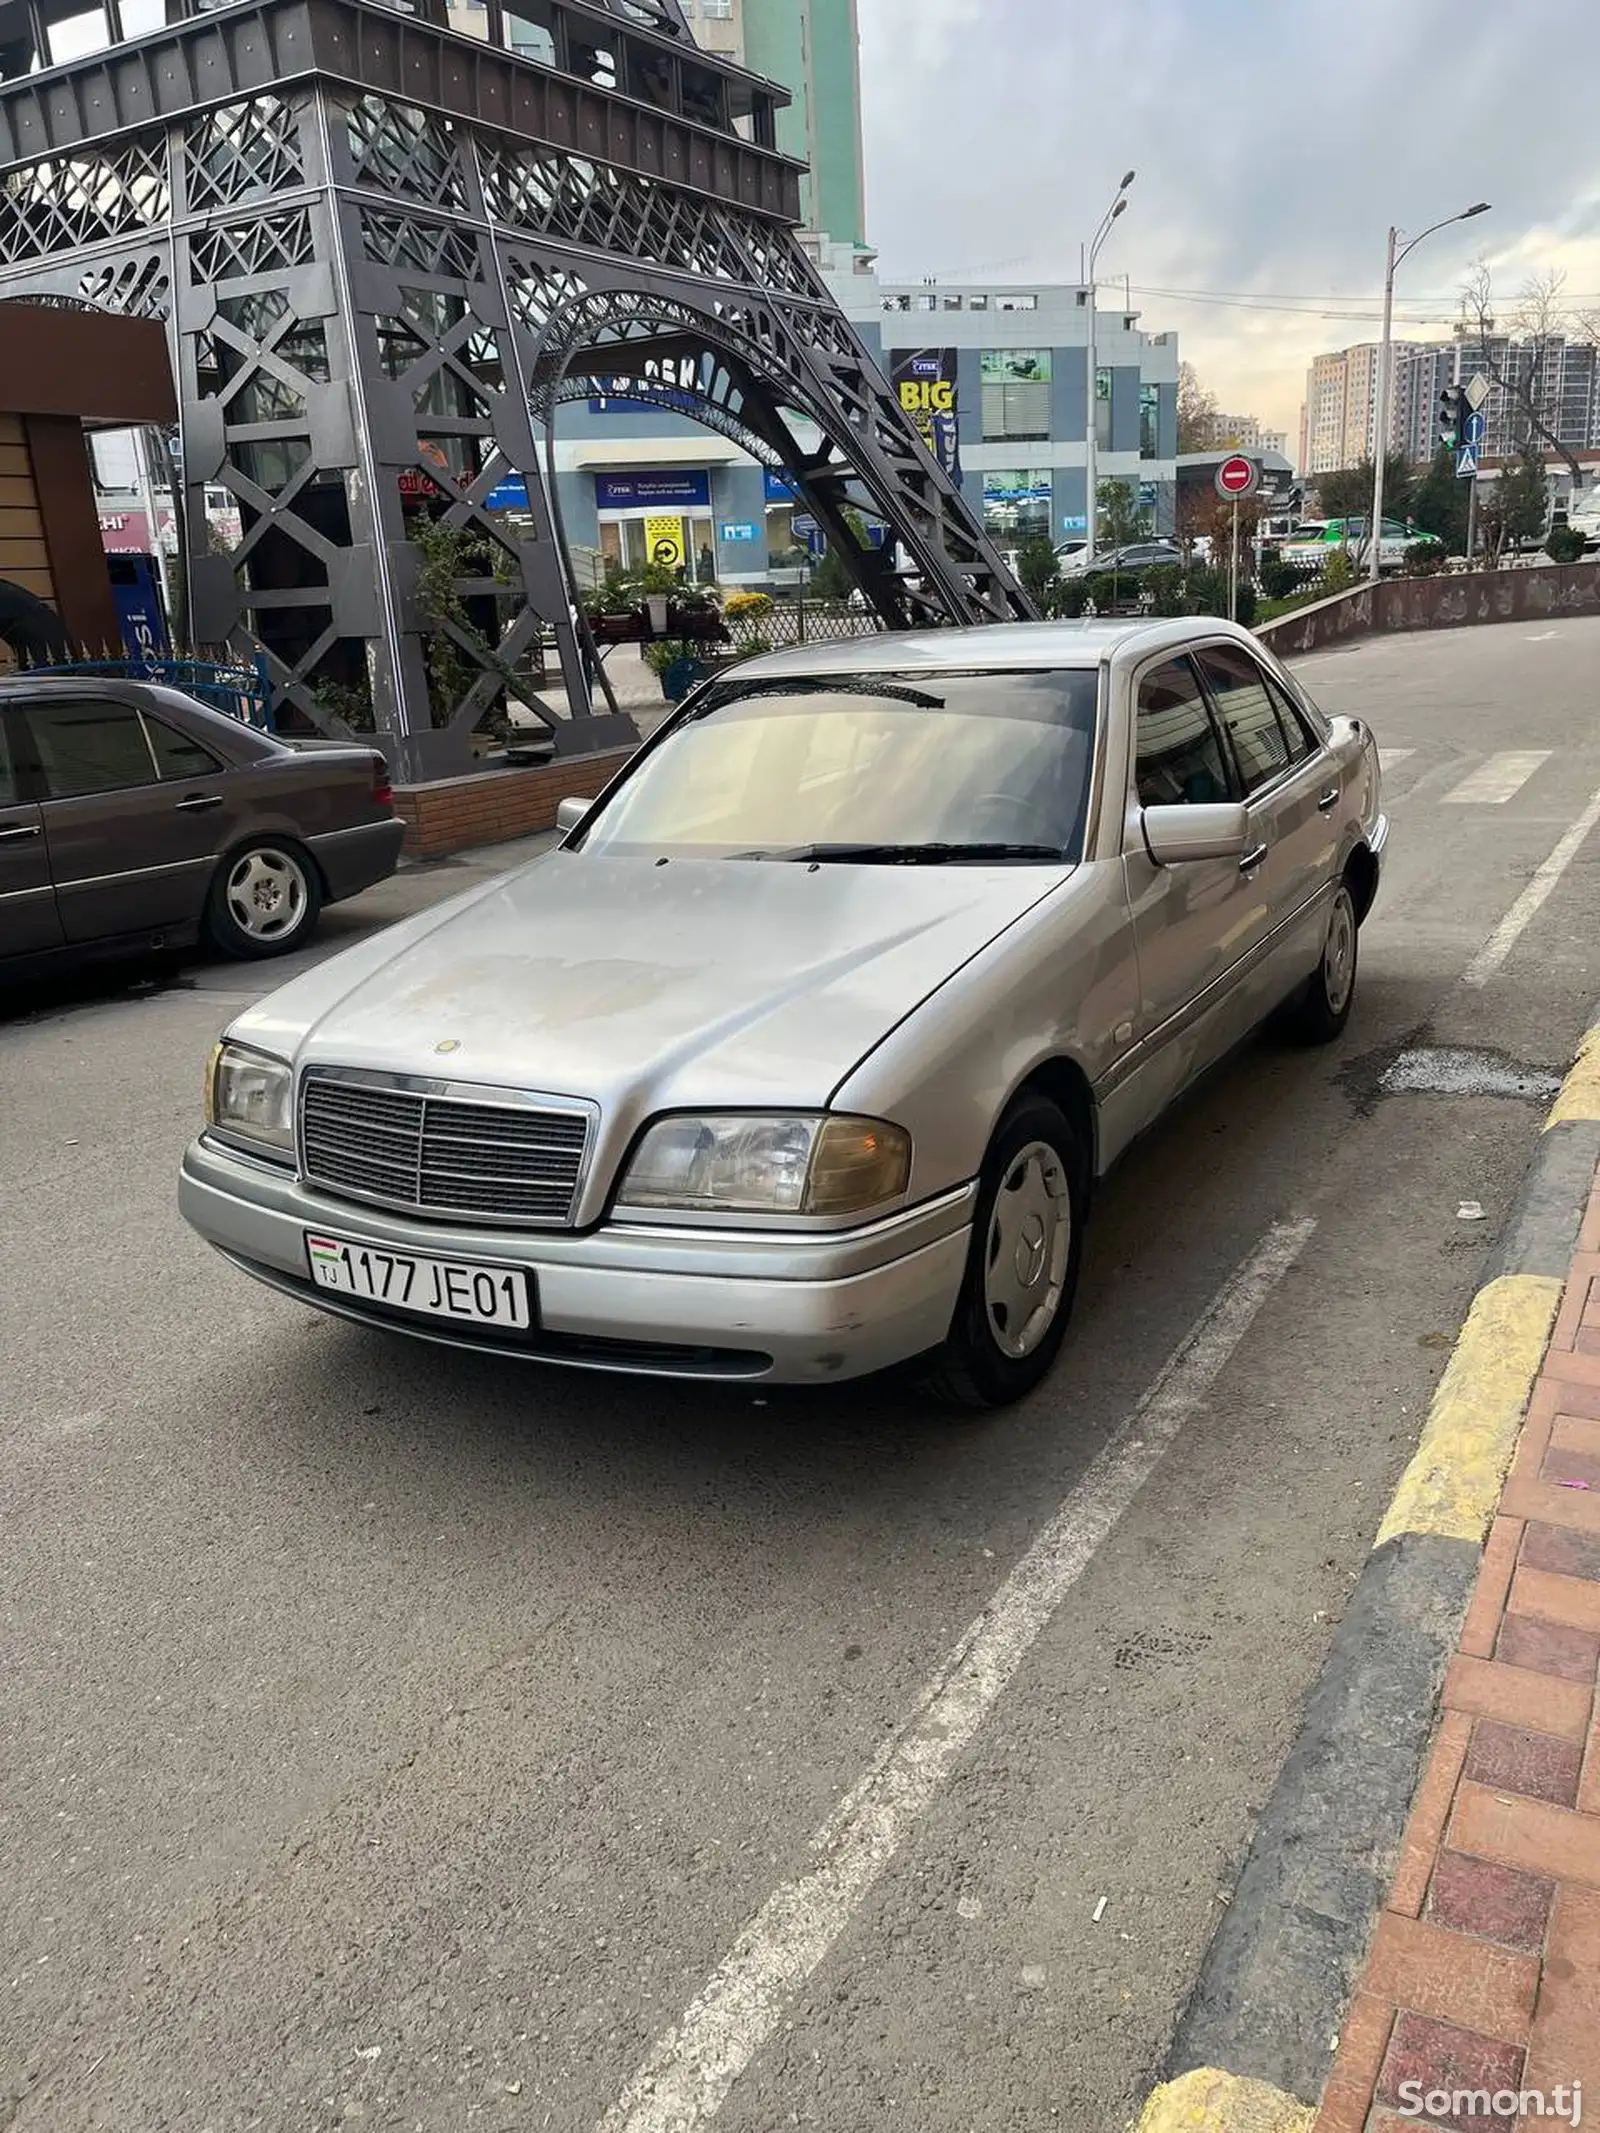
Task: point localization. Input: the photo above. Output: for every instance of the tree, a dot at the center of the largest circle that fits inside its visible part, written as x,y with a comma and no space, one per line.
1439,502
1197,412
1537,321
1117,518
1036,567
1515,507
831,580
1348,494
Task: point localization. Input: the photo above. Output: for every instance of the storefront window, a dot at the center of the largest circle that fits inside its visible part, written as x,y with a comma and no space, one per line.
1016,394
1016,504
1149,421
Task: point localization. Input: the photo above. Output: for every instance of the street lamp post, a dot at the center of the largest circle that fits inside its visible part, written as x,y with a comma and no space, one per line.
1380,394
1090,439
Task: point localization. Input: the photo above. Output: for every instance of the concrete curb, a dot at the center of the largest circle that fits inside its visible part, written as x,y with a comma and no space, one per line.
1256,2040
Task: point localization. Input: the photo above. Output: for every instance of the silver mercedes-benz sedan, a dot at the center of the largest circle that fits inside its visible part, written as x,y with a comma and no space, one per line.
803,1052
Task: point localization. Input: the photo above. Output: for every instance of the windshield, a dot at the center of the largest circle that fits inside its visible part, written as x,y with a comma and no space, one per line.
868,766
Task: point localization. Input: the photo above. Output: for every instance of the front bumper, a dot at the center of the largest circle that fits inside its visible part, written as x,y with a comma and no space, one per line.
775,1306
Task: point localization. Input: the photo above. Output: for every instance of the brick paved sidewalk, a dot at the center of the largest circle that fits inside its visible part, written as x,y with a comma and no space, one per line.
1484,1973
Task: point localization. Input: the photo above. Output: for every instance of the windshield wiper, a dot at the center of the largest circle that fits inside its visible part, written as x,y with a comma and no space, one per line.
910,855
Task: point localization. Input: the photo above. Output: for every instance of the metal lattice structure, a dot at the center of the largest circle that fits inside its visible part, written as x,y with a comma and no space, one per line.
386,252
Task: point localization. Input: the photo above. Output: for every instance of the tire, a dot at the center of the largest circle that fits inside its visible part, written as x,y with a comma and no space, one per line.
1027,1242
1323,1009
264,899
31,628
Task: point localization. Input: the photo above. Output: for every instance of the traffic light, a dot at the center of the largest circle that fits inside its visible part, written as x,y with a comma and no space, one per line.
1452,415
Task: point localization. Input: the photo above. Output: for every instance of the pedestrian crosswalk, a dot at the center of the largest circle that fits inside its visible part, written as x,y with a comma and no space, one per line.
1499,779
1491,782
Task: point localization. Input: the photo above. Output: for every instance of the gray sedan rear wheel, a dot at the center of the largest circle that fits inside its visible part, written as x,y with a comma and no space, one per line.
1022,1269
1324,1007
264,899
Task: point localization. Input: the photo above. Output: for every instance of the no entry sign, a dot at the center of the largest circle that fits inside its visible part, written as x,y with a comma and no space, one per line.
1238,476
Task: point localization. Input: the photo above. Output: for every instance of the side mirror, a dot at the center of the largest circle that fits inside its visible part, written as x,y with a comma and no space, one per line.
1175,834
569,813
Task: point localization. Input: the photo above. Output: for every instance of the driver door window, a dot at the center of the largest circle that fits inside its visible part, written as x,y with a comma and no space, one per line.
1195,925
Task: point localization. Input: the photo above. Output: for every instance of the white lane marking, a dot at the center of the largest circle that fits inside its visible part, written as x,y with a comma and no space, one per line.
688,2072
1493,783
1505,936
1391,758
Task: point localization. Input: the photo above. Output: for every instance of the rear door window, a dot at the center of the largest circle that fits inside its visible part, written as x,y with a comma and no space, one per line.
178,754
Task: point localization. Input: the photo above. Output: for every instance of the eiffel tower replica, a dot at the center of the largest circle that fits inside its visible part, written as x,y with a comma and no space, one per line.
385,252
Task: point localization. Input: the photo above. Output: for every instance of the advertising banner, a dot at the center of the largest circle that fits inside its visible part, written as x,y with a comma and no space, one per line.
652,492
924,381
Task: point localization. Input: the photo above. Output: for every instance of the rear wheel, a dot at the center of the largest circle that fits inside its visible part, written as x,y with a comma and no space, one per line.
1324,1007
264,900
1022,1268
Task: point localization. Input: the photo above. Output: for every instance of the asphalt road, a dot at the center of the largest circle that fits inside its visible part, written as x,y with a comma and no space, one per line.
393,1738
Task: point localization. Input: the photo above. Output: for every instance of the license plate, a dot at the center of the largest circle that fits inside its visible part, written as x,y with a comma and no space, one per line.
437,1288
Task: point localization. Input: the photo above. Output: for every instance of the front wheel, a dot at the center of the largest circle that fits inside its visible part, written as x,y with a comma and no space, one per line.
1324,1008
1022,1267
264,900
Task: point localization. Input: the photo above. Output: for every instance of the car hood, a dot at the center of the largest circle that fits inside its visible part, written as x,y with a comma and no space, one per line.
646,985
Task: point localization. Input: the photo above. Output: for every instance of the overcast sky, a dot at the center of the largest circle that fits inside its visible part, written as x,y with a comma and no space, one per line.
1274,140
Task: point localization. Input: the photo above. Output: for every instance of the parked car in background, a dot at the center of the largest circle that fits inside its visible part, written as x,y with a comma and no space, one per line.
1127,560
803,1054
1583,516
133,818
1311,544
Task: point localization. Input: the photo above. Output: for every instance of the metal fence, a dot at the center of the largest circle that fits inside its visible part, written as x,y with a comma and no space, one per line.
239,688
788,622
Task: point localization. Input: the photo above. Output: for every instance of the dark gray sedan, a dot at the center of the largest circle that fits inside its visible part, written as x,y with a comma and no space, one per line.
133,818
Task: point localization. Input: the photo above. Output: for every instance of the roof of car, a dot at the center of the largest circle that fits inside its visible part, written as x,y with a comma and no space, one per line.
996,645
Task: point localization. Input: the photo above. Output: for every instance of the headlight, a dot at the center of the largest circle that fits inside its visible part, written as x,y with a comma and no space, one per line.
763,1163
250,1098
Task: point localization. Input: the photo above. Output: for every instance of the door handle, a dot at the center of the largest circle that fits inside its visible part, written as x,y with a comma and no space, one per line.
1328,801
1253,859
19,829
197,800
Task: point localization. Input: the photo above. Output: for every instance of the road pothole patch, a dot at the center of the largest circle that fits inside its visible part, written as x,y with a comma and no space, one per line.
1146,1647
1465,1070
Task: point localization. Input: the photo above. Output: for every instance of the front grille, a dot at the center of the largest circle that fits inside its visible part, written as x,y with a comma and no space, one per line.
441,1155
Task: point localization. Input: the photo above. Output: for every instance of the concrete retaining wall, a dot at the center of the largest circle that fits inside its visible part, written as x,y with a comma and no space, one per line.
1442,603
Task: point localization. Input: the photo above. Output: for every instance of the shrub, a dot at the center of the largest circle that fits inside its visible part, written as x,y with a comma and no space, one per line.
1281,580
1424,559
666,651
746,606
1106,591
1068,598
1206,593
1565,544
1338,573
1163,589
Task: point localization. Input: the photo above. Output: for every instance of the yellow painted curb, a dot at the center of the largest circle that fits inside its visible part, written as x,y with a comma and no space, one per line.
1454,1480
1580,1092
1209,2101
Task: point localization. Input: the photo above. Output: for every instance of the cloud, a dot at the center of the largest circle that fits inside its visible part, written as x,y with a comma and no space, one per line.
1275,141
